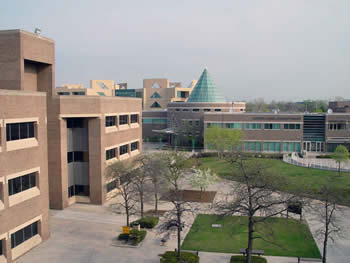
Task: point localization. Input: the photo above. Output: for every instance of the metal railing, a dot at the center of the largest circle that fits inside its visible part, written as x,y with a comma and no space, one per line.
322,164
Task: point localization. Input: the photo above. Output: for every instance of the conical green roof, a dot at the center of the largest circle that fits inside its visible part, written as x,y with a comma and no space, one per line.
205,90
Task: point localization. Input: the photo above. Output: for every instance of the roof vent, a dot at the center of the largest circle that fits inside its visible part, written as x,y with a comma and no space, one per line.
37,31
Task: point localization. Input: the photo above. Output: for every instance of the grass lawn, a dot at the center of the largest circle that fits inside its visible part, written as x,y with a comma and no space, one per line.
298,178
293,238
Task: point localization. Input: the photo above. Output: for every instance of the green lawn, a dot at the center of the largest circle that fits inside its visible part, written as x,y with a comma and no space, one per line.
293,238
298,178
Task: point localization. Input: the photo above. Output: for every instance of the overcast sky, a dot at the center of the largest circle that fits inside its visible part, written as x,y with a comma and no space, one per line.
282,50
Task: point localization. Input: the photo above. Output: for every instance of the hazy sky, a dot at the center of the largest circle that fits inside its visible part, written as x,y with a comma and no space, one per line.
282,49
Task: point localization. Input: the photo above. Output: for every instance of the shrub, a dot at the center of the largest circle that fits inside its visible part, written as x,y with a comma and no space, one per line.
147,222
137,236
170,257
241,259
123,236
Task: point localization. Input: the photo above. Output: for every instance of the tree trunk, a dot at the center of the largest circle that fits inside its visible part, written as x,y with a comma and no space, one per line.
178,236
325,241
250,240
201,194
141,204
127,215
156,203
339,169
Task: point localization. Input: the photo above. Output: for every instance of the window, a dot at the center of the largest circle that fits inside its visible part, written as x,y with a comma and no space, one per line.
272,126
155,105
138,94
206,110
160,121
184,109
63,93
215,124
291,126
177,109
134,146
78,93
252,126
75,123
21,183
110,154
155,95
76,156
111,186
252,146
123,149
123,119
234,125
100,93
24,234
291,147
195,110
1,247
217,110
197,123
336,126
134,118
82,190
272,146
146,120
19,131
110,121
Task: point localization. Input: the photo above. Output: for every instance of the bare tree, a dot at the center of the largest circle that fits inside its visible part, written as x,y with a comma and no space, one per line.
255,195
140,181
326,211
155,169
121,174
176,164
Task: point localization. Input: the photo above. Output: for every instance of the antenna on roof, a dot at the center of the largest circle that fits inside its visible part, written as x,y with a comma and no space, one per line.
37,31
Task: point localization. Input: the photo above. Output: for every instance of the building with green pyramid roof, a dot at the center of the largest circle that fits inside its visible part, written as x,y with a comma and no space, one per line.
205,90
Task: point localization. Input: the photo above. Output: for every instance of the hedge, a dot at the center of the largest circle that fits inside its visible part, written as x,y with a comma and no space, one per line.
170,257
241,259
135,236
146,222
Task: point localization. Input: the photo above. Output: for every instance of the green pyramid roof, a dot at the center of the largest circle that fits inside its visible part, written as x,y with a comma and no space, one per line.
205,90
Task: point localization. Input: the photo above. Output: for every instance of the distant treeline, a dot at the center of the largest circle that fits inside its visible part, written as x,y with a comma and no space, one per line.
259,105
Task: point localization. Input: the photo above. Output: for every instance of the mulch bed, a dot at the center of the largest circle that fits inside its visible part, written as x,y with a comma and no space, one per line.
152,213
192,196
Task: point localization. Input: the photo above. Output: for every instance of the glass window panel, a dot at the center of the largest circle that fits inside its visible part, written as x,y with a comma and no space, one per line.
35,228
14,131
285,147
27,231
32,180
23,130
277,147
297,147
70,157
25,182
19,237
30,129
297,126
266,146
17,185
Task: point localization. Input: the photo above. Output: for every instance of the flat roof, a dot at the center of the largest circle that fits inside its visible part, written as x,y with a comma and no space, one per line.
13,31
7,92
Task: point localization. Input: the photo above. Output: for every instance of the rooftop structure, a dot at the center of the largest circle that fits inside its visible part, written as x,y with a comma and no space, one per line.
205,90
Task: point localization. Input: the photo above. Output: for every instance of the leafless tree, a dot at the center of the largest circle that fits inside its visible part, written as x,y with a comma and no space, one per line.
255,195
154,168
176,166
326,211
122,174
140,181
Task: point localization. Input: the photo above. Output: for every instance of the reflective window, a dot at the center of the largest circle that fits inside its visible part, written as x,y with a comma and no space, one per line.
24,234
19,131
21,183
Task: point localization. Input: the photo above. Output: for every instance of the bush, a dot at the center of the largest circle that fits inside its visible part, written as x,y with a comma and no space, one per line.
123,236
241,259
137,236
170,257
146,222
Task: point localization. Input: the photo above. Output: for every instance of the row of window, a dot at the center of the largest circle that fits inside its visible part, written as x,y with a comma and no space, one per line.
123,119
65,93
21,183
336,126
19,131
155,120
255,126
272,146
197,110
190,123
111,153
24,234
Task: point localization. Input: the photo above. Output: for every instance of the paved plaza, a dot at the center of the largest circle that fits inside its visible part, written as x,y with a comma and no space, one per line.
84,234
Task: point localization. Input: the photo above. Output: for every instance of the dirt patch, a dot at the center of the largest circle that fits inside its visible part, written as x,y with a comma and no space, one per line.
192,196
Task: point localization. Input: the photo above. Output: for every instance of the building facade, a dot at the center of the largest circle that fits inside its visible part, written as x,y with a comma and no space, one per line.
27,69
